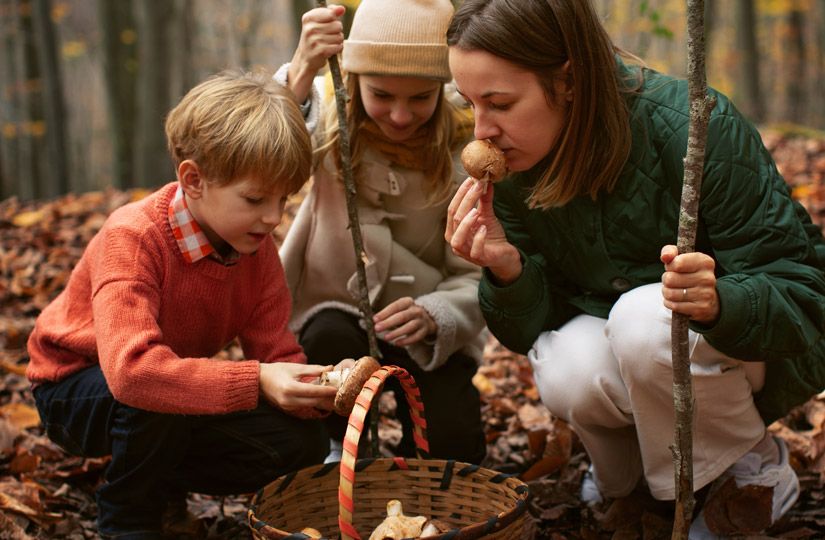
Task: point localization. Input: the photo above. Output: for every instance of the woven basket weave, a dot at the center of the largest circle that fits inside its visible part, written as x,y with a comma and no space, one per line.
349,499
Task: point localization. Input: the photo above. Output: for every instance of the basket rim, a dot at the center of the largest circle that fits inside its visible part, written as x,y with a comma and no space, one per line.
496,522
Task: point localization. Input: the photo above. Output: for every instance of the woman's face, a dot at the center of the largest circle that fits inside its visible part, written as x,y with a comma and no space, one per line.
511,106
399,105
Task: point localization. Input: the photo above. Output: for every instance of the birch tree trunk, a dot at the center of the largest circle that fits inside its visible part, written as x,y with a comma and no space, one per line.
700,106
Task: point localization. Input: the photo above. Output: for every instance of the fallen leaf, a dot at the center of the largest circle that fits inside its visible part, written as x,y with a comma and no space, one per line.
21,415
739,510
28,219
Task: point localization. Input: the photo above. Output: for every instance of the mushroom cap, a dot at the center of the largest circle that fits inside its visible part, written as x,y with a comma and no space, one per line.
484,161
349,390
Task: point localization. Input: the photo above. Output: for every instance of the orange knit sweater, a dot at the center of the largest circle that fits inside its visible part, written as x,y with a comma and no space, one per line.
152,320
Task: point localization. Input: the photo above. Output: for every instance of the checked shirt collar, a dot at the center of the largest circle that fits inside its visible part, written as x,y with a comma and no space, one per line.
192,242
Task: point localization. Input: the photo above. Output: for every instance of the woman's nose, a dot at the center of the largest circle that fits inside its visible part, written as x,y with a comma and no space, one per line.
484,128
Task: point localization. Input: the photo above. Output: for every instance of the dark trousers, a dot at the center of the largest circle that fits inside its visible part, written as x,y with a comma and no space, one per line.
157,457
452,405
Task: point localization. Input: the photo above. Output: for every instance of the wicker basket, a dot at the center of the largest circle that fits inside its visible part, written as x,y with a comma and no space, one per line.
476,502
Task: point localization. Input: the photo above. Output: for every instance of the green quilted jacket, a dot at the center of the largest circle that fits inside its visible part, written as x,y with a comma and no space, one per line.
769,256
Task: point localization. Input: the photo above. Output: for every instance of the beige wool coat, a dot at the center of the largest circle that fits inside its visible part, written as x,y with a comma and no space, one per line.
406,256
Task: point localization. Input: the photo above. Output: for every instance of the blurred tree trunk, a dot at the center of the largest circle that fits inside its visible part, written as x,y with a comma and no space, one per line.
246,21
56,181
120,76
752,104
32,126
185,45
819,111
9,100
795,65
153,166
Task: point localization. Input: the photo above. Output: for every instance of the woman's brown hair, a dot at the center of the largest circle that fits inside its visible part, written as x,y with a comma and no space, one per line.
541,36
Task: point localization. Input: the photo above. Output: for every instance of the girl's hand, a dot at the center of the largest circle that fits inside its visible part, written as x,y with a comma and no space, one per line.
288,386
475,234
689,284
322,35
404,322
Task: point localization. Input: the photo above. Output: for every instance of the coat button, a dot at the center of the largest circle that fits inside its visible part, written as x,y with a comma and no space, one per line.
620,284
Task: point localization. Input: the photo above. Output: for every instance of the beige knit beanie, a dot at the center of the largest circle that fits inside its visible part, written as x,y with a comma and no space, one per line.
399,38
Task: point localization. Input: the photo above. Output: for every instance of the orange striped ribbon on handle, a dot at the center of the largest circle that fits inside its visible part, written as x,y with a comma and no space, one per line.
355,427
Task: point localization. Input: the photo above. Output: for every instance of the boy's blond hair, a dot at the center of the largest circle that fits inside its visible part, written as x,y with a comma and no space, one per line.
238,124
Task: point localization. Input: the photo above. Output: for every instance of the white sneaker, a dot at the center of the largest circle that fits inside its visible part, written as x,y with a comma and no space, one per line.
749,470
590,493
336,449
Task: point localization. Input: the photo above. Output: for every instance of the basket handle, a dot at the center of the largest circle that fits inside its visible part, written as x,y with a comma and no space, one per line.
355,427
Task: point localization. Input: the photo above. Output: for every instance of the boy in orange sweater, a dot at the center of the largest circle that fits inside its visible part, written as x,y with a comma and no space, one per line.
121,361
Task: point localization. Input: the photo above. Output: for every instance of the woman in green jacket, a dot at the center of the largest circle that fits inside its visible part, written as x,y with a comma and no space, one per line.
580,268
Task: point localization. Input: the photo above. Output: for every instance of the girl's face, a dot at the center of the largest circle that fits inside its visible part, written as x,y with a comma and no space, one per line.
399,105
510,105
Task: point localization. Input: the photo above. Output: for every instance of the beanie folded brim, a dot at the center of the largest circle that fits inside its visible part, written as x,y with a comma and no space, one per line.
397,59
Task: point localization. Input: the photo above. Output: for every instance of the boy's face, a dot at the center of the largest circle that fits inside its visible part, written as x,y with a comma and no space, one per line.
240,215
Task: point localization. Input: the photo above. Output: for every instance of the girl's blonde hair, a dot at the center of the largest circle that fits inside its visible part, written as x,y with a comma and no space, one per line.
236,125
541,36
444,137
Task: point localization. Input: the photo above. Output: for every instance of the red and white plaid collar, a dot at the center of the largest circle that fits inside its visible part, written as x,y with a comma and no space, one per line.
192,242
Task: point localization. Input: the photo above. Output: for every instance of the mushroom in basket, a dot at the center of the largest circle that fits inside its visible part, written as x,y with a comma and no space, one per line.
397,526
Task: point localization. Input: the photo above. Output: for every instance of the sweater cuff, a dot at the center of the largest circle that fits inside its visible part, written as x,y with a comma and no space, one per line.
432,355
242,385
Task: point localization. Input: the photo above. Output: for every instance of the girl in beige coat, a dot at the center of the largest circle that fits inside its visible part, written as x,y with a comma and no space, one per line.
405,138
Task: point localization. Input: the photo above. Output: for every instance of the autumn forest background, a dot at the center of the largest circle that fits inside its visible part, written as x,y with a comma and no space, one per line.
85,85
84,88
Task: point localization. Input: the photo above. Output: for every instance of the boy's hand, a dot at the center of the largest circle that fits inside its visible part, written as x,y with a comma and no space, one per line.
322,35
282,385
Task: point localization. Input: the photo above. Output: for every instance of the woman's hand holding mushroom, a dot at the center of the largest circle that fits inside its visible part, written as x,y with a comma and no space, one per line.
475,234
404,322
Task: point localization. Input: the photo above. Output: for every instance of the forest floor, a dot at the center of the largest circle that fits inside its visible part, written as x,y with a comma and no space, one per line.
45,493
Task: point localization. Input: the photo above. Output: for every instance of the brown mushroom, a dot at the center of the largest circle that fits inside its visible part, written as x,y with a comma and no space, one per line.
484,161
349,383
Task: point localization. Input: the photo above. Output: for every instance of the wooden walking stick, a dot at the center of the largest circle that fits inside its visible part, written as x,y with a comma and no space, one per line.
700,107
364,305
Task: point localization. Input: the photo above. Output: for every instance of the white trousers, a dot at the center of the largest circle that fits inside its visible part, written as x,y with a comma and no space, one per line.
612,381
